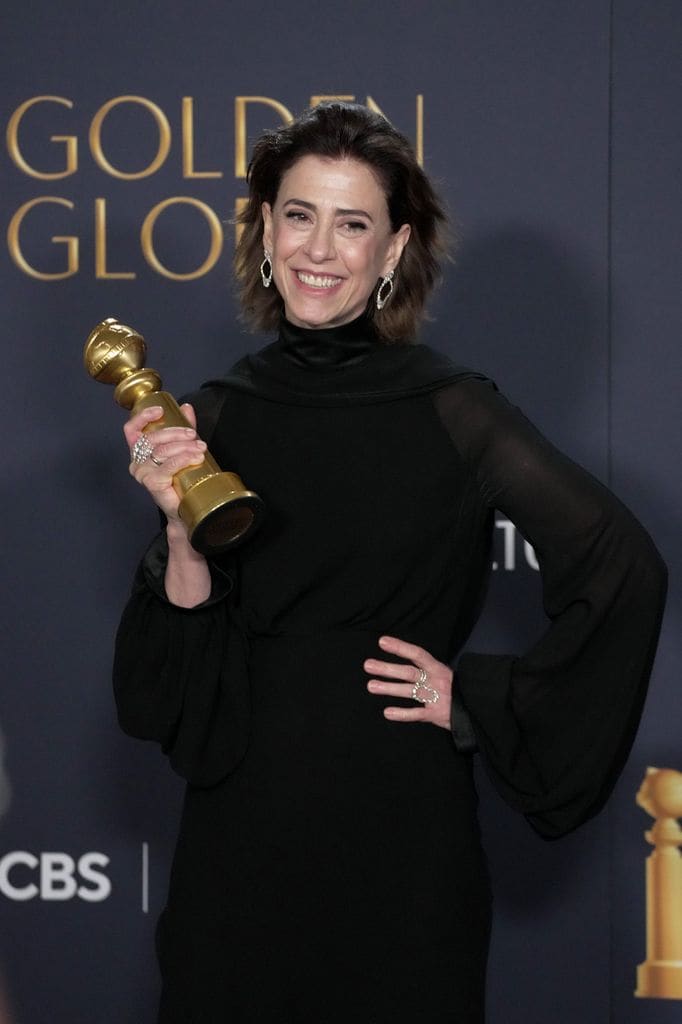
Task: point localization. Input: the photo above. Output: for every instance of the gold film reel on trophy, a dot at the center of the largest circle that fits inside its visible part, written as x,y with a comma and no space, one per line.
215,506
660,976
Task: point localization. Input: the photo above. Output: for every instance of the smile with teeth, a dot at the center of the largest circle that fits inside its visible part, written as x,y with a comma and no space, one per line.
317,282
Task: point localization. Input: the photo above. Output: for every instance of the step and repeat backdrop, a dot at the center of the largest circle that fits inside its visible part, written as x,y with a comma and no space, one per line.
552,130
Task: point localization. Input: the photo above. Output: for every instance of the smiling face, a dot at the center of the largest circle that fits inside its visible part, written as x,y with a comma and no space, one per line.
331,240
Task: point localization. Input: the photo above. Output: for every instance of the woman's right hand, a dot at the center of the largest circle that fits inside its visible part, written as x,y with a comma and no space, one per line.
174,449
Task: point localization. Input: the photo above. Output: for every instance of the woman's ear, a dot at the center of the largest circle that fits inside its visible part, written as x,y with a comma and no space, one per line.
266,211
396,246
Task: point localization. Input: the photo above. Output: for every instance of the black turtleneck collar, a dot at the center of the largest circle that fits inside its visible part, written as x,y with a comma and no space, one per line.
327,348
345,365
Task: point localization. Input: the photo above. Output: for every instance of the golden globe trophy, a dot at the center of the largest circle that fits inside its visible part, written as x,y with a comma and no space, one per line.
216,508
660,976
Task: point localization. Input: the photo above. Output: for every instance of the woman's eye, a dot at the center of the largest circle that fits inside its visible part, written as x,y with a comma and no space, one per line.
354,227
297,216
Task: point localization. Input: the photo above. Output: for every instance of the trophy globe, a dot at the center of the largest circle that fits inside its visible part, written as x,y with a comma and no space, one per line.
215,506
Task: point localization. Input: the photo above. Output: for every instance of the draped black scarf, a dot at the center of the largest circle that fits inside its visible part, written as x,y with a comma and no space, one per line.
344,365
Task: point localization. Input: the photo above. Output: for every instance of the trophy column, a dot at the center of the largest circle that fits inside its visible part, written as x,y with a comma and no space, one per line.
660,976
215,506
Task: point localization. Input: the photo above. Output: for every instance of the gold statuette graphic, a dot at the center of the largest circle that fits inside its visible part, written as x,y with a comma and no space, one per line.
215,507
660,976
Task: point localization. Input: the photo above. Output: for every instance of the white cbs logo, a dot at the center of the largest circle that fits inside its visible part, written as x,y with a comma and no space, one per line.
54,876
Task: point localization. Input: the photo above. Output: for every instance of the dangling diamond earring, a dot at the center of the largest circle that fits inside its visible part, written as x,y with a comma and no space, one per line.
266,269
382,295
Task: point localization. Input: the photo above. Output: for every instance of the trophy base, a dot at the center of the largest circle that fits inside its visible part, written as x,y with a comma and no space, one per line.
659,979
219,513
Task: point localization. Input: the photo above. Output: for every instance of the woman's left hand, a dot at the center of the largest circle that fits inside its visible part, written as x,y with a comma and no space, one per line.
425,680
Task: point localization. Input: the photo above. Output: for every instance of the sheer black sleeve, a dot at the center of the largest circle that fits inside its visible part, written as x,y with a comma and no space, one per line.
555,725
180,675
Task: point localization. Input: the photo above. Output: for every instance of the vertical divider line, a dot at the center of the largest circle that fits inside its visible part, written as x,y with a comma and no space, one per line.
609,258
609,457
145,878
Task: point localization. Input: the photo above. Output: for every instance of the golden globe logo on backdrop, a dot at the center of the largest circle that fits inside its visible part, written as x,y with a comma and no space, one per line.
66,161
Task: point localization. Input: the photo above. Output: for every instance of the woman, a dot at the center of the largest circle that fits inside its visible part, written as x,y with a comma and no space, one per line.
328,865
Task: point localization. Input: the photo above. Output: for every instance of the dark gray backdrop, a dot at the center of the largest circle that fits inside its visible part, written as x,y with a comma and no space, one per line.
553,131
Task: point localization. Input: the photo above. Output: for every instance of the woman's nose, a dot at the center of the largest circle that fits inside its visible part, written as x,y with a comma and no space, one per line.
320,243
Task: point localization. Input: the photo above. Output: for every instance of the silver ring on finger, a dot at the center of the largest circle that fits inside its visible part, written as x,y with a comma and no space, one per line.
422,692
142,450
157,462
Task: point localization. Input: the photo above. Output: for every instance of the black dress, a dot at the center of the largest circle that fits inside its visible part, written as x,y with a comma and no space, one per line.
328,866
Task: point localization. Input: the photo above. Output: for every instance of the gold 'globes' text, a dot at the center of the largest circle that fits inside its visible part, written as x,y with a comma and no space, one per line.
28,221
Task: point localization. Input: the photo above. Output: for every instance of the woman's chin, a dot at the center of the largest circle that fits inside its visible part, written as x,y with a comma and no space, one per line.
316,316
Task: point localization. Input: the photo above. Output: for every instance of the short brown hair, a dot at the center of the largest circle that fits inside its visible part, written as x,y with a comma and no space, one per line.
336,130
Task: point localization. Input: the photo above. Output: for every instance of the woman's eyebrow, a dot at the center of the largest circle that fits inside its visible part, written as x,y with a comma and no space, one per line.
339,211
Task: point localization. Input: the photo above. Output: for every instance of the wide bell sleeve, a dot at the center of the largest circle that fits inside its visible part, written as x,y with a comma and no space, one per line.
555,724
180,674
